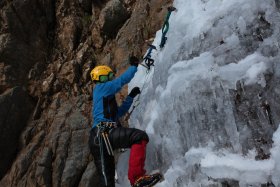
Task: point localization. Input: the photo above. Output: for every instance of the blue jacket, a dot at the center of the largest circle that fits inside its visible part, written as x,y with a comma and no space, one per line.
105,108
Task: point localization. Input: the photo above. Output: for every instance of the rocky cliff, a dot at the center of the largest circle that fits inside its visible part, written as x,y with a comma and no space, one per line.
47,49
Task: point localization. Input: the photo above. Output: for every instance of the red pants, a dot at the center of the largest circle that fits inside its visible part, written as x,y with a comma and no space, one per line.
137,161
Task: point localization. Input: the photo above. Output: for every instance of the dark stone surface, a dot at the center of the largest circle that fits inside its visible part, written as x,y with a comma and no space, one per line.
112,17
26,37
15,109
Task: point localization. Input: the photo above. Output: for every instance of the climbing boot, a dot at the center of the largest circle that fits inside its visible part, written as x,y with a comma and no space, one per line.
148,180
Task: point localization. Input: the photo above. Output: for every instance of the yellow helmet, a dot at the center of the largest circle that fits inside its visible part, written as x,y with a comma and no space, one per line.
101,74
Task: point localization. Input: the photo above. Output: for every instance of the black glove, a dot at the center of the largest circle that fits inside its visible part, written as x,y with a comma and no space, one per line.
134,61
135,91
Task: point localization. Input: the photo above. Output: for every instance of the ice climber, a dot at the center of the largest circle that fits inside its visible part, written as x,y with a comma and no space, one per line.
107,134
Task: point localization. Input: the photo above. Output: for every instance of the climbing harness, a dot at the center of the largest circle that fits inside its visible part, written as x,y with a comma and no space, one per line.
148,58
165,27
104,129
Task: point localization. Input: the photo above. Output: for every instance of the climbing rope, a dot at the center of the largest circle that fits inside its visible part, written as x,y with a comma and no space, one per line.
165,27
137,100
102,159
148,60
148,63
103,134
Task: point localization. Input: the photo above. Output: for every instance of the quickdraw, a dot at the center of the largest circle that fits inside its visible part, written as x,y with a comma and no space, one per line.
148,58
165,27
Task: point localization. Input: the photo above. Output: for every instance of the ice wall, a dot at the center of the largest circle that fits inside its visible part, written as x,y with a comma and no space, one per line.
218,63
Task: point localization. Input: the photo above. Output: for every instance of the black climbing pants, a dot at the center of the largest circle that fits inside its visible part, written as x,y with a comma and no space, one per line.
119,137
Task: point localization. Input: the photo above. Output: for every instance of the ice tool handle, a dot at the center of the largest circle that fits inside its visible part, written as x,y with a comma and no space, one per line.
165,27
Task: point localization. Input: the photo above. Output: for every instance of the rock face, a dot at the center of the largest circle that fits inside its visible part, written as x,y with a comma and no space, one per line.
24,39
49,47
54,148
15,109
112,18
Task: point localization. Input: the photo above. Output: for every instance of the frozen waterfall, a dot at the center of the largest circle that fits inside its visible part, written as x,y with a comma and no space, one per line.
216,51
